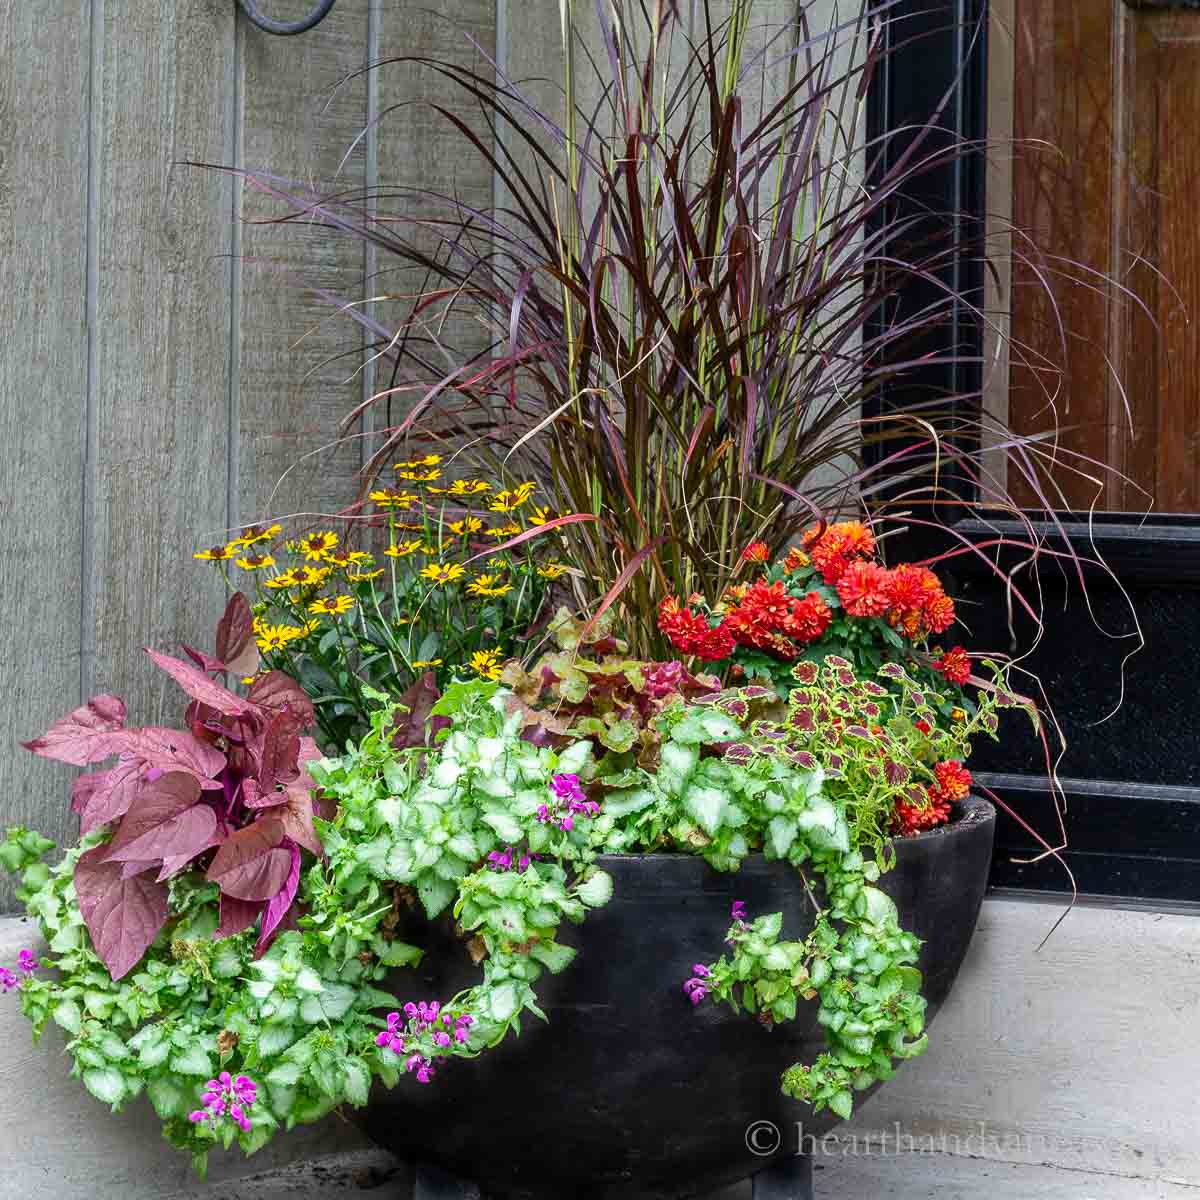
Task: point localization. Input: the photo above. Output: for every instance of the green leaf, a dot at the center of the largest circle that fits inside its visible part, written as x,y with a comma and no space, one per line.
154,1052
107,1085
436,893
573,759
67,1015
463,844
781,834
621,804
287,1074
227,962
707,806
401,863
399,954
274,1038
552,956
504,1002
842,1103
679,758
596,890
356,1078
192,1060
331,1003
880,907
507,830
168,1098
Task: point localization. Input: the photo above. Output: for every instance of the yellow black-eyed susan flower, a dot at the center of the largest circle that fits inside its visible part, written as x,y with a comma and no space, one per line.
395,498
421,476
552,571
422,663
468,487
488,585
363,576
314,576
285,579
219,553
428,460
485,663
256,562
442,573
255,534
510,501
315,546
276,637
500,532
332,606
465,527
402,549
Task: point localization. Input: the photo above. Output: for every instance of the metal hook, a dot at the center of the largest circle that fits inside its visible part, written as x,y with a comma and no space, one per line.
286,28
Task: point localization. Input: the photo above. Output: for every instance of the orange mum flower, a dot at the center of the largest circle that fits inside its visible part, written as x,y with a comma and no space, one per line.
939,613
771,600
954,780
955,665
756,552
907,586
796,558
863,590
829,556
925,809
808,618
857,538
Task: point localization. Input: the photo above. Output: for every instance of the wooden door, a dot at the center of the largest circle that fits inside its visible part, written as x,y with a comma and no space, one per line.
1103,103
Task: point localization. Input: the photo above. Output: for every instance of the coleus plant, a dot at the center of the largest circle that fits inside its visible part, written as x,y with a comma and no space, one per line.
229,792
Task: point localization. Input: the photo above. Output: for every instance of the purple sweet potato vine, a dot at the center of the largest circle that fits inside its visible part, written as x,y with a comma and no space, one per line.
229,794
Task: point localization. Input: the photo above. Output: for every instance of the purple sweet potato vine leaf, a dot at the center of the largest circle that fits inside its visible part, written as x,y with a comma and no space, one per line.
229,796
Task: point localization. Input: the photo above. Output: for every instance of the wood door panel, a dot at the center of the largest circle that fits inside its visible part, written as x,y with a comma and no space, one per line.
1105,175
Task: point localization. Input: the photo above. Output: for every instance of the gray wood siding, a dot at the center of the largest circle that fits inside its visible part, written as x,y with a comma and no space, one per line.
164,374
161,366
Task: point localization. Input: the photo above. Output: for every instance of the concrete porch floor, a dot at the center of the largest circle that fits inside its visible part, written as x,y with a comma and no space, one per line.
372,1175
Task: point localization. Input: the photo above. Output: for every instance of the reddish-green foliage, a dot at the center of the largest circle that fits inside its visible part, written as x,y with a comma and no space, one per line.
229,793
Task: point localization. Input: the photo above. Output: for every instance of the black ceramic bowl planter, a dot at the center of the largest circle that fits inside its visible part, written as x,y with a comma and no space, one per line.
630,1092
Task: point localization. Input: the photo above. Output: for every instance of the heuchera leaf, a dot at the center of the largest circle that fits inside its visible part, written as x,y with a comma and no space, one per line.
165,820
91,733
278,692
279,903
123,916
198,685
249,864
236,647
413,728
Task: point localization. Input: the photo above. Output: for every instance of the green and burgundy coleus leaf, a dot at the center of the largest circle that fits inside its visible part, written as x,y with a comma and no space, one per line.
229,795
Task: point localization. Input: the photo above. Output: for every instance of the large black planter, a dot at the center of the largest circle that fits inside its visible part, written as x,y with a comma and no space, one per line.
628,1091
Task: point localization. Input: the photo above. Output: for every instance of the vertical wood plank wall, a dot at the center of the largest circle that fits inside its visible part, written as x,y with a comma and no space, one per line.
161,367
164,375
